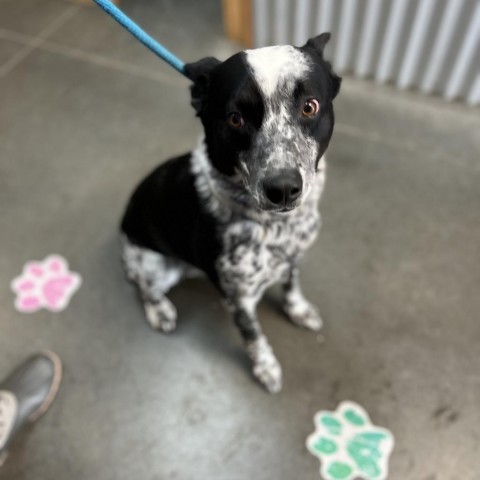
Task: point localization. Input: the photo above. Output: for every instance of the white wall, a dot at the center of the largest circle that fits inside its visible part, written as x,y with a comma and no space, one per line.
429,45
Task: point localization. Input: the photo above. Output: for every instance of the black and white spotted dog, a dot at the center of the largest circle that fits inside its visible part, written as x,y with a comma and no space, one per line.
242,207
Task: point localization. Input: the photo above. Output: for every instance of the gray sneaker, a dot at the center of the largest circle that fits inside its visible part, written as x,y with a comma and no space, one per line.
27,394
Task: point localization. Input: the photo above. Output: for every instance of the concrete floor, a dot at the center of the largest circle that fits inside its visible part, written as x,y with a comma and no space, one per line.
85,113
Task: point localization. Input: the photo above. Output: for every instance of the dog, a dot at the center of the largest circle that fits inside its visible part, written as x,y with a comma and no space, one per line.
242,206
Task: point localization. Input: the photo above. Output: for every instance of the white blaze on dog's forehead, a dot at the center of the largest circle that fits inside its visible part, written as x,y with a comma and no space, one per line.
278,66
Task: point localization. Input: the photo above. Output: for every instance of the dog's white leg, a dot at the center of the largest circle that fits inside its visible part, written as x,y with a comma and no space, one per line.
297,308
160,312
155,275
265,365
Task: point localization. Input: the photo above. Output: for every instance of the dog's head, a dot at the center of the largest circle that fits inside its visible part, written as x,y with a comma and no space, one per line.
268,118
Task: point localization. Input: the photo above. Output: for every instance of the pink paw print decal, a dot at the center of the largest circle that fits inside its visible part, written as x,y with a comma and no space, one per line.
48,284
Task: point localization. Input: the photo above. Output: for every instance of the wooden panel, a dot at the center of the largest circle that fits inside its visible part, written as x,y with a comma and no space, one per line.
237,19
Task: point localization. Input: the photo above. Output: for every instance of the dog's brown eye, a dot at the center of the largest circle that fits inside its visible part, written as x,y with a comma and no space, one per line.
311,108
235,120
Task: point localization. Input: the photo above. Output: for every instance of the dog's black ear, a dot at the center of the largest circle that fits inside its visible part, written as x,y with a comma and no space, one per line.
318,44
335,80
199,73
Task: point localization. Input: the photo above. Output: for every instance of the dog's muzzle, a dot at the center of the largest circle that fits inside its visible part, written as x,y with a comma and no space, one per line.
283,188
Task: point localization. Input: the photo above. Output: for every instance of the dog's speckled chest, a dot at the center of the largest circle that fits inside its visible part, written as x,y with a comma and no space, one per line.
257,248
257,254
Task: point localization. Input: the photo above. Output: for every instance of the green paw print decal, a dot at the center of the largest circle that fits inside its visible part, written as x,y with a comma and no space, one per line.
349,446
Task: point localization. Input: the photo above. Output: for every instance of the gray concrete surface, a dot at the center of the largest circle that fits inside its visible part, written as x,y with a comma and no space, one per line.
85,113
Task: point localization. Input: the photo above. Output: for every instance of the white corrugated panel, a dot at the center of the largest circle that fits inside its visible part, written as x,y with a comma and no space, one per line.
430,45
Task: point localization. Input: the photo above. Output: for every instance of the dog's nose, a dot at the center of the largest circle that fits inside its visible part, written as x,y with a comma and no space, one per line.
284,187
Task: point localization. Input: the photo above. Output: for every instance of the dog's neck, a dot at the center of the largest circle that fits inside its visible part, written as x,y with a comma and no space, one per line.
226,197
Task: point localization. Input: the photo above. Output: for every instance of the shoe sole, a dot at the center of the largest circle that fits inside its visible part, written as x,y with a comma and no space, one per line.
57,378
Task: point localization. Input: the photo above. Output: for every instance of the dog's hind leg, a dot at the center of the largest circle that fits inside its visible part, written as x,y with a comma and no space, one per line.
154,274
297,308
265,365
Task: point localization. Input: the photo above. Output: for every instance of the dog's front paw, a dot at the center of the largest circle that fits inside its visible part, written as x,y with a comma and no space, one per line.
304,314
161,315
269,374
265,365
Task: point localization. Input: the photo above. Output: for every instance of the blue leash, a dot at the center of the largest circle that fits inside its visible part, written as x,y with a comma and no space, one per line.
141,35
